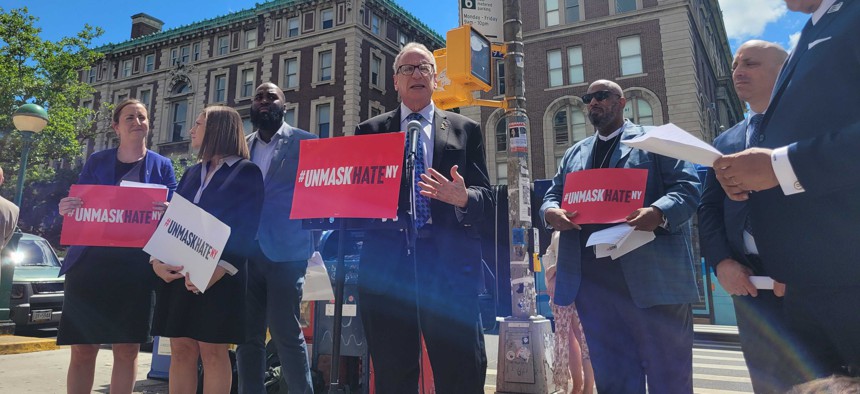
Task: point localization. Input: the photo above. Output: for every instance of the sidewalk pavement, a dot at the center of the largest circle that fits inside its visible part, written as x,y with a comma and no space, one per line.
44,369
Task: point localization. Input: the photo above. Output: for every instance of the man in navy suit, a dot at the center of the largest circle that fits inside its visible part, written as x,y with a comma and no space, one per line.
276,273
635,310
727,237
805,176
435,290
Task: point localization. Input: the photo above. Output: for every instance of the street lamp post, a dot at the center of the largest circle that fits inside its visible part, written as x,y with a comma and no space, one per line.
29,119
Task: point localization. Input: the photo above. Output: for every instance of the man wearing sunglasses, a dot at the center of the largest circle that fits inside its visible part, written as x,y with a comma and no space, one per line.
635,310
433,291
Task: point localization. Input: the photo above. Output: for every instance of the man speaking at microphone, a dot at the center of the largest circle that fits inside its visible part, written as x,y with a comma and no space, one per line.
433,292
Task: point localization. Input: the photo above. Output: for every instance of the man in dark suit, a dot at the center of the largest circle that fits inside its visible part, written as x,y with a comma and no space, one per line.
806,178
433,291
276,273
635,310
727,237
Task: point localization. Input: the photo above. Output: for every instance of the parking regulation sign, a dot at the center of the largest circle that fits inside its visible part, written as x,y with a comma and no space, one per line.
485,16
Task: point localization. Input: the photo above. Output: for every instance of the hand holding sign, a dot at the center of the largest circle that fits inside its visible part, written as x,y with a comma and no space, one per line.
645,219
560,219
605,195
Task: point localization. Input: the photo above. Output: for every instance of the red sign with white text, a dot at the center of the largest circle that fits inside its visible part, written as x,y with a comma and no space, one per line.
349,177
112,216
604,195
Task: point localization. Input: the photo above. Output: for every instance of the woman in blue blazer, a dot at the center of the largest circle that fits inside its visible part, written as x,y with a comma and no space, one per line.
108,290
202,324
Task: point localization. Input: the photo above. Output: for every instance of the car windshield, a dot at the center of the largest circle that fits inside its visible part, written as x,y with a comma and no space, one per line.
34,253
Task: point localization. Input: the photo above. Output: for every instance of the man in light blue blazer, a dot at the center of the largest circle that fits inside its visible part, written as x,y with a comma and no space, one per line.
803,186
276,273
635,310
727,237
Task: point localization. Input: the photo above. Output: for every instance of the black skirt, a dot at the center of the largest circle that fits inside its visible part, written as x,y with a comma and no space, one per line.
216,316
108,298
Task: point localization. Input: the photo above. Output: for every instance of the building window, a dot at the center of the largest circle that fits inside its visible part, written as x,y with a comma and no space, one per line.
502,173
624,6
180,110
553,62
500,77
220,89
185,54
631,55
325,59
327,17
223,45
91,75
568,126
575,73
279,25
174,56
375,70
126,68
375,23
247,89
552,13
144,96
290,116
149,63
293,27
571,11
323,120
501,135
402,39
291,73
120,98
250,39
247,125
196,52
374,111
639,111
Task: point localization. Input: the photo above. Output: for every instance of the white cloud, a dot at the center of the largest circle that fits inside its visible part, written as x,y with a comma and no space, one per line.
792,40
747,19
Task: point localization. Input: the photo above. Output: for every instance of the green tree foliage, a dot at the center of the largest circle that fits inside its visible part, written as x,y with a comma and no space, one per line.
44,72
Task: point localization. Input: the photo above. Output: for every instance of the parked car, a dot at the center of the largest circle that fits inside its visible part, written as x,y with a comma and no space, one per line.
37,292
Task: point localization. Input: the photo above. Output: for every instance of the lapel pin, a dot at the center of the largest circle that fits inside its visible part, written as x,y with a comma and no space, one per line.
835,7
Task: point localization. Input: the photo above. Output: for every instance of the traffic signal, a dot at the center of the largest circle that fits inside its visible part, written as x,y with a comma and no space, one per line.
463,66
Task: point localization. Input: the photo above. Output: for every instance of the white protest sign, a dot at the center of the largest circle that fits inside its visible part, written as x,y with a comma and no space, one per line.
190,237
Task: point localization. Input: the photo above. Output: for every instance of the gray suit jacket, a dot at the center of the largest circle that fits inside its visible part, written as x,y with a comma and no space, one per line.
660,272
281,238
8,220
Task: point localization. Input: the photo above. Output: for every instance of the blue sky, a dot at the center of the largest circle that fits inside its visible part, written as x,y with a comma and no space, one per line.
745,19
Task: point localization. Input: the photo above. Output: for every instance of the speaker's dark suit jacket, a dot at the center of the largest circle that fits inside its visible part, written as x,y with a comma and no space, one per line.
811,238
761,321
457,141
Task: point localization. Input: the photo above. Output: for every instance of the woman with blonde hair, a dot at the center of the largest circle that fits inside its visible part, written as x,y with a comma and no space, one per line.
203,323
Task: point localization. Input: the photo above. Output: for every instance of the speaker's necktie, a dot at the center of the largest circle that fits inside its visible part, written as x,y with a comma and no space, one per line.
756,138
422,204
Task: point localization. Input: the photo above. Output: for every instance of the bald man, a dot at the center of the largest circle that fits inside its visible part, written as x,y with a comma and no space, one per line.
8,217
635,310
727,235
802,183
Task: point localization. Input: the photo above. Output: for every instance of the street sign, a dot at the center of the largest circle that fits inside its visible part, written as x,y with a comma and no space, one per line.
485,16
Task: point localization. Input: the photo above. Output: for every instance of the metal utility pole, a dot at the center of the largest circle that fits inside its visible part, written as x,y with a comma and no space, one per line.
525,340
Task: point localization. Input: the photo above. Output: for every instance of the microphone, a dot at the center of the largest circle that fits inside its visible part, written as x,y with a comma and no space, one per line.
413,128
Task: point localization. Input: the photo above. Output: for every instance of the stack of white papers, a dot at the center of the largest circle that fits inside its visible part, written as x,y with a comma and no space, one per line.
619,240
143,185
671,141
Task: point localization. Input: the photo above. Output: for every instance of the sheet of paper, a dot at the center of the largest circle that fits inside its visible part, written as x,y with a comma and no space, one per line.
617,241
317,282
141,184
762,282
190,237
671,141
